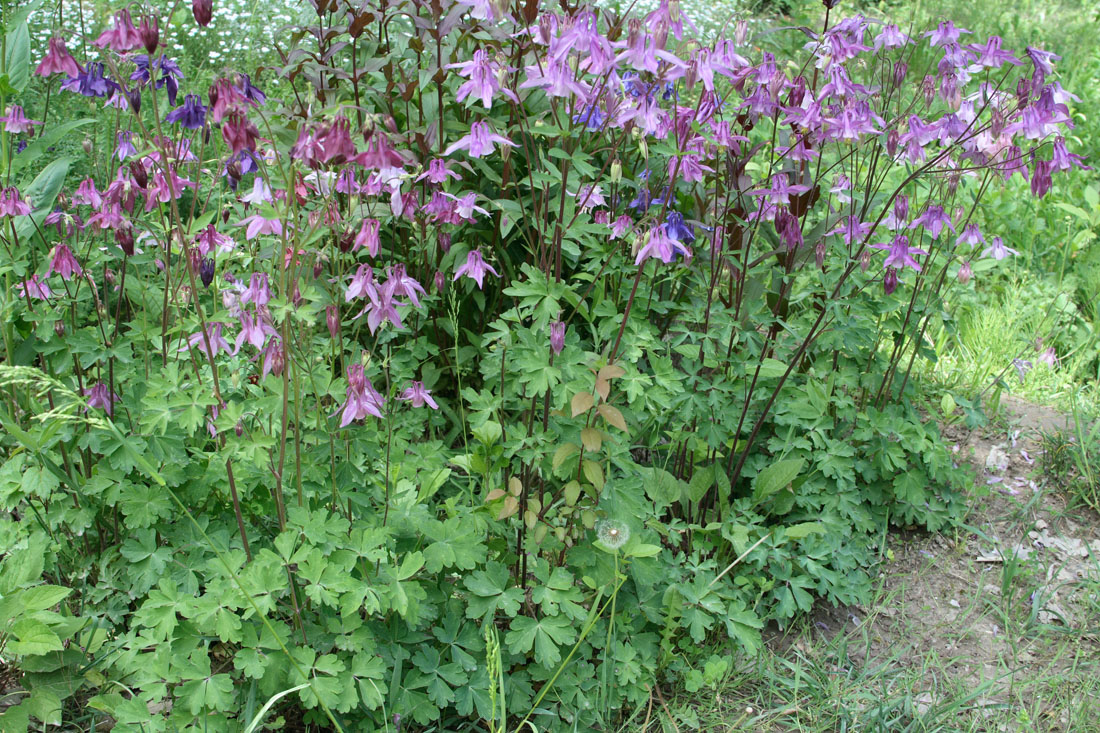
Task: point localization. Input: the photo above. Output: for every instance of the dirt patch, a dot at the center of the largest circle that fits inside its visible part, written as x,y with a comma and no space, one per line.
1005,612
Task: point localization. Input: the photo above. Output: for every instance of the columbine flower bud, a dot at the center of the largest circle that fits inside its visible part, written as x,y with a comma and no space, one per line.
965,273
557,337
440,281
740,32
124,238
865,260
819,254
150,33
332,319
59,328
141,176
87,145
892,138
206,271
444,240
203,11
901,69
928,86
890,280
616,171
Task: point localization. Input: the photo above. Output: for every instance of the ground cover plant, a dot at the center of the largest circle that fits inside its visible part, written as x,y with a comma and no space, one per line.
507,355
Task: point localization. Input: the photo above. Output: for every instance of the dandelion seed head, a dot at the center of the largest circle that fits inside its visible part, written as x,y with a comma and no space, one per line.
612,533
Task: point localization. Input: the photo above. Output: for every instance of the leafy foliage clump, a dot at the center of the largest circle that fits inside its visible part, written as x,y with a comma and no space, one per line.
502,361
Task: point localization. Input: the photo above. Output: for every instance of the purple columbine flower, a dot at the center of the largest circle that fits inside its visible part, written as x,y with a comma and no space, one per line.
258,290
63,263
125,145
971,235
16,120
253,330
258,224
997,249
475,268
934,219
217,341
34,288
480,141
368,237
660,245
11,204
484,79
99,395
250,92
90,83
362,399
901,254
678,229
191,114
946,34
438,172
419,395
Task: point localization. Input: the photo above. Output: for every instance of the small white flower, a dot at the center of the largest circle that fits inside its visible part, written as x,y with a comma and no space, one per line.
612,533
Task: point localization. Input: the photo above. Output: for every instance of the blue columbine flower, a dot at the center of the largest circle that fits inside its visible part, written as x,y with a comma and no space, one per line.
678,229
92,83
169,72
591,116
191,114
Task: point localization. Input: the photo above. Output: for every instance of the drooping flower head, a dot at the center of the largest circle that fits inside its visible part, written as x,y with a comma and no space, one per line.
419,395
58,60
475,268
191,114
16,120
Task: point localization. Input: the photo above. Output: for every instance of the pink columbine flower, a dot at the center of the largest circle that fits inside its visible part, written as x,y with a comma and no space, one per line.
661,246
11,204
87,194
258,224
362,399
997,249
58,60
99,395
484,79
63,262
274,359
217,341
123,36
475,268
965,273
368,237
34,288
258,290
362,284
419,395
16,120
479,142
259,193
589,197
621,226
971,235
253,331
438,172
465,206
209,239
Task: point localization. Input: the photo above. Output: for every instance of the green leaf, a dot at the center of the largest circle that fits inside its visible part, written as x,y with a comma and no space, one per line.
769,369
776,477
18,57
33,637
42,597
545,635
805,529
43,192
